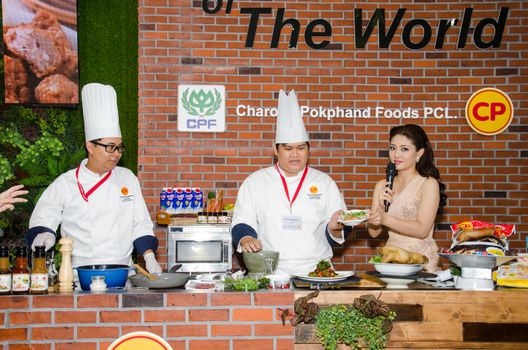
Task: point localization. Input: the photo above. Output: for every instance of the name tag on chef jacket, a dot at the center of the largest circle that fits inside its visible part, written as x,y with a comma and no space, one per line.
291,223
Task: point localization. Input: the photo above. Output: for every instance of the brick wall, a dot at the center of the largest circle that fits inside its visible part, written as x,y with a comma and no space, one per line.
187,321
180,44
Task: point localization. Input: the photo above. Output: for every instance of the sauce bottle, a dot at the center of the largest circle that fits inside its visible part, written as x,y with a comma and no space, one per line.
39,273
5,271
20,271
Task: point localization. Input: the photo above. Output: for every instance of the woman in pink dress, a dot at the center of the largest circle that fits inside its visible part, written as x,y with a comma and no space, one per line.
416,197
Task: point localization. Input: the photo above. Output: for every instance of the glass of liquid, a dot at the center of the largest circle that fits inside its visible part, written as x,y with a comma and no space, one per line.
269,266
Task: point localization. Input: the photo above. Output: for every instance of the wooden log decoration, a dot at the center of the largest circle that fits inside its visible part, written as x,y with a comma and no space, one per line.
305,310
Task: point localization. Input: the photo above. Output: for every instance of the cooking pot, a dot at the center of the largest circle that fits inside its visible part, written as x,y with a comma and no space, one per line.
115,275
165,280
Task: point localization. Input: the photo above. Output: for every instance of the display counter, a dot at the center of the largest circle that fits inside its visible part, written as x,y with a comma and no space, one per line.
426,319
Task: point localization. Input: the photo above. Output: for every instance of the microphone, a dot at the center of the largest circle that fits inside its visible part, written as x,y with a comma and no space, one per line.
390,172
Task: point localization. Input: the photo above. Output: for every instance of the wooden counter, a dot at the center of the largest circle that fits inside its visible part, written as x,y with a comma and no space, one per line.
436,319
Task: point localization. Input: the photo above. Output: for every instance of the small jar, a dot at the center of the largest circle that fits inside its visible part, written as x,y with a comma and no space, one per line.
212,218
224,218
202,217
98,284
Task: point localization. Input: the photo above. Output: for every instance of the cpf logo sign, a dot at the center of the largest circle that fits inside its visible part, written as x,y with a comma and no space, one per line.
489,111
201,108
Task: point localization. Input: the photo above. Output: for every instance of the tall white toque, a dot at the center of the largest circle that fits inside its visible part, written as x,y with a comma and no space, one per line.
101,118
290,126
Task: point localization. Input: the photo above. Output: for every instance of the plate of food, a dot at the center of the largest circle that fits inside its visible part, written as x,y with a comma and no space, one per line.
353,217
324,272
391,269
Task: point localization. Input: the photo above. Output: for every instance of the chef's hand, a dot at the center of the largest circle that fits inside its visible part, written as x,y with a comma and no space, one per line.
46,239
10,197
250,244
150,262
334,224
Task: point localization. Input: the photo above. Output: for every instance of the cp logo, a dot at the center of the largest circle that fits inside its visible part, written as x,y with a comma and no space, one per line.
489,111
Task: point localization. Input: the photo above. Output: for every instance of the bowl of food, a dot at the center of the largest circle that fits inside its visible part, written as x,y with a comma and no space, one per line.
256,262
353,217
392,269
115,275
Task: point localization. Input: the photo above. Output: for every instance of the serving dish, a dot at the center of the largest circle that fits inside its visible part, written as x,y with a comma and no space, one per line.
341,275
165,280
353,222
397,269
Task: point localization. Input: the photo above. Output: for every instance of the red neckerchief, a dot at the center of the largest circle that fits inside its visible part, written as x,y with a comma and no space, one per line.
285,185
92,190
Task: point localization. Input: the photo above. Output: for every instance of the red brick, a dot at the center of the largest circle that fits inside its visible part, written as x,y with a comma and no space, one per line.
209,315
253,344
273,329
14,302
209,345
30,346
184,299
274,298
285,344
52,301
163,315
177,344
75,316
152,329
13,334
51,333
221,299
252,314
187,330
220,330
120,316
98,332
76,346
29,318
98,301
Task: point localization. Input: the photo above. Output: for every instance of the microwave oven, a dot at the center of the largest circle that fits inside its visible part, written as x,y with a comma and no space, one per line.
200,248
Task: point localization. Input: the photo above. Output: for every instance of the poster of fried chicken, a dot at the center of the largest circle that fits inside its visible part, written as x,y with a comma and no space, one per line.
40,52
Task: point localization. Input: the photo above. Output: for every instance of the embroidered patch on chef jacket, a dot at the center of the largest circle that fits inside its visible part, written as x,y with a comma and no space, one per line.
314,192
125,195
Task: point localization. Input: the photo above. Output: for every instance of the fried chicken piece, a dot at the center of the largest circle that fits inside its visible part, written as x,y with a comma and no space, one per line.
16,78
57,89
472,235
401,256
42,43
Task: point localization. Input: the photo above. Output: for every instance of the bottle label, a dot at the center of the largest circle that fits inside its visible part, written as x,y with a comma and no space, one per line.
5,283
21,282
39,281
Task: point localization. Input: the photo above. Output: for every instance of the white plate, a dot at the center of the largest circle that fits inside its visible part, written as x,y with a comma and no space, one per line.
341,275
353,222
397,269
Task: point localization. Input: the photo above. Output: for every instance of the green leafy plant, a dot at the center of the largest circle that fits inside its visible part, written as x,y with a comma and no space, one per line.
36,146
246,283
367,323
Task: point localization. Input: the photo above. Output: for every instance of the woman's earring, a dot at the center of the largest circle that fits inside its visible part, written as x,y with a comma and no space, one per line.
417,159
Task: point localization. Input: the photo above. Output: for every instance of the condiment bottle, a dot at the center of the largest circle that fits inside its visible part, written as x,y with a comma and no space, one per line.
39,273
202,217
5,271
212,218
20,272
53,275
98,284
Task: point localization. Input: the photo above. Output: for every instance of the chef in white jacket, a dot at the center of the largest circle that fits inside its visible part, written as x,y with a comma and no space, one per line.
98,204
289,207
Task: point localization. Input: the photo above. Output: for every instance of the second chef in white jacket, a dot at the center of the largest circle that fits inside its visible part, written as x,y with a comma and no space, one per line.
289,207
99,205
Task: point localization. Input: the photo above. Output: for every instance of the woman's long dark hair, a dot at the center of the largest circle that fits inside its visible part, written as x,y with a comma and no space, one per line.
425,165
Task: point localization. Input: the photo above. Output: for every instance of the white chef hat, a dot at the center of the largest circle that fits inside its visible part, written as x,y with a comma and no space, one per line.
101,118
290,126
